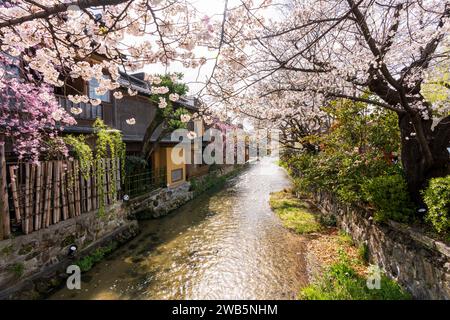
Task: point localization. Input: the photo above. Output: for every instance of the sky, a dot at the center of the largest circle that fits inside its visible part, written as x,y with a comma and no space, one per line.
191,76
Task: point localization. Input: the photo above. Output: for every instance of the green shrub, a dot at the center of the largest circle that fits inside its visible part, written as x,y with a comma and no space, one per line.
437,199
342,173
87,262
135,165
341,282
390,197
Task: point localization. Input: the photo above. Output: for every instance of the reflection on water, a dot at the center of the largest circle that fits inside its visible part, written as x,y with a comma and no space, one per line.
222,245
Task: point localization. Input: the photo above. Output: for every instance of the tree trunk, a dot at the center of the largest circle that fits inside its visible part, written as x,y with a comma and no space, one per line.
417,170
149,146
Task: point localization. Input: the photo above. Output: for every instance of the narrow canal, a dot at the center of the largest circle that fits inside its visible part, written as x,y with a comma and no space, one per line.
226,244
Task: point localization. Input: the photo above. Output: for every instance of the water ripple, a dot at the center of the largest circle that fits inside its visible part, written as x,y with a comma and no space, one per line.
224,245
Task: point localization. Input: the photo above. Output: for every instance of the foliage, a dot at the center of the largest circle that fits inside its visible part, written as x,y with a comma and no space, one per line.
23,34
135,164
357,127
341,282
345,238
363,253
175,89
108,144
437,199
293,212
436,89
356,161
340,172
287,83
87,262
83,152
389,195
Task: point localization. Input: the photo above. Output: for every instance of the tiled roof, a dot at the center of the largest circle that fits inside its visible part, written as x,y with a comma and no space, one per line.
136,82
133,82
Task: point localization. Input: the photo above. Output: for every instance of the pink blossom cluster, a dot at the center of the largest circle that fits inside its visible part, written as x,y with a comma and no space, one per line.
31,117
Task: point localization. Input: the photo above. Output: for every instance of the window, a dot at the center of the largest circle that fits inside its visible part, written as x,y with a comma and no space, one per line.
177,175
93,84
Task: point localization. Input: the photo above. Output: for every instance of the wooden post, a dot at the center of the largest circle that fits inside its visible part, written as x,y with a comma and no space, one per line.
94,186
76,173
71,189
13,175
48,195
26,219
5,229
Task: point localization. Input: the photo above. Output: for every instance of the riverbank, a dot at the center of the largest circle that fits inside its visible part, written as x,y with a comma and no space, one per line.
163,201
33,266
337,269
224,244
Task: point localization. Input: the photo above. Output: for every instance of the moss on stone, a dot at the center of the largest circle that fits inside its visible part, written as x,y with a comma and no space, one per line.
17,269
67,241
87,262
25,249
7,250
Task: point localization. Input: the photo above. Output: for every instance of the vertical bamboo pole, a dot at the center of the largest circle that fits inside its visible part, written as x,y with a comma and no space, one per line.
113,179
56,193
94,186
118,178
108,180
82,192
13,175
103,183
71,188
42,194
26,202
62,177
37,209
32,196
5,229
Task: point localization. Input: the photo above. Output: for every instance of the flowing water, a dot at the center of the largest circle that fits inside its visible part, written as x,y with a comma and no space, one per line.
226,244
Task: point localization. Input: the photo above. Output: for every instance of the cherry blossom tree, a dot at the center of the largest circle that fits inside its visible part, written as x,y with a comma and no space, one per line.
379,52
31,117
57,38
54,41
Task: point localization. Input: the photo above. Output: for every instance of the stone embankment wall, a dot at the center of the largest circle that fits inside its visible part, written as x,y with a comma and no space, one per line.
162,201
32,265
417,262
